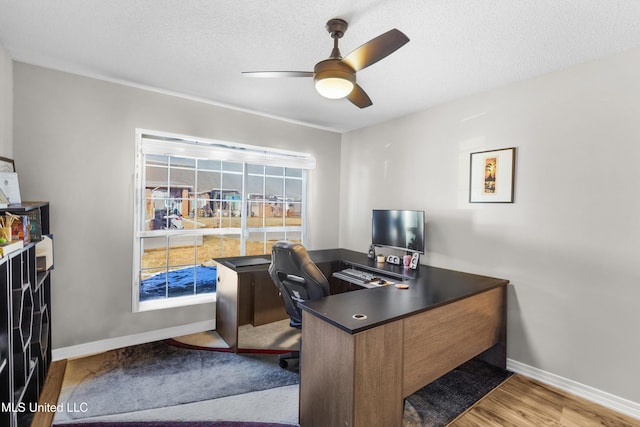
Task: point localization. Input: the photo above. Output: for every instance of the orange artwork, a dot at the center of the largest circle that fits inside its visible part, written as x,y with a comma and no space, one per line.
490,170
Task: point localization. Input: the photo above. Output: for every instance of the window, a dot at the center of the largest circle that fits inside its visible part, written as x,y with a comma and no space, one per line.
201,199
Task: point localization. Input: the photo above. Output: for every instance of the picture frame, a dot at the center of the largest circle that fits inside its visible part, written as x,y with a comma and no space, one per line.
10,187
492,176
7,165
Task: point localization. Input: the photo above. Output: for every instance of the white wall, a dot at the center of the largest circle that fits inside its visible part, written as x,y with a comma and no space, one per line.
6,104
569,243
74,146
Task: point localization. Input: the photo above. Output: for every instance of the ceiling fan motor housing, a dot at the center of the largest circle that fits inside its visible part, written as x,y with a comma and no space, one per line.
337,78
334,68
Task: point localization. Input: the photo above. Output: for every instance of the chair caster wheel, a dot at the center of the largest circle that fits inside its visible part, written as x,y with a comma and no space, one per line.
283,364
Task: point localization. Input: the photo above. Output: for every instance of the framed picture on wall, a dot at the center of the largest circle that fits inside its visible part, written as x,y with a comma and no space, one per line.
10,187
491,176
7,165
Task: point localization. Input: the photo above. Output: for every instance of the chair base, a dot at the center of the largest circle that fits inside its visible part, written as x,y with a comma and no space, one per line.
285,359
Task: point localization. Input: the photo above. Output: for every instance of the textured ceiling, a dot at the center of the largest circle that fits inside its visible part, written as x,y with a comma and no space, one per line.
199,48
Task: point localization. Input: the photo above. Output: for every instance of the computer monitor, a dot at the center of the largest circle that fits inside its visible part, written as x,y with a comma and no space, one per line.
399,229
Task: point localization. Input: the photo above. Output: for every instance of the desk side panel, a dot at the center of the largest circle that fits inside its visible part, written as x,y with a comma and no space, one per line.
326,374
350,380
227,305
245,298
378,376
268,305
441,339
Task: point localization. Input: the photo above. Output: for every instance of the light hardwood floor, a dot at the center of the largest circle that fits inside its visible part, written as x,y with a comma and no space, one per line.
518,402
50,392
523,402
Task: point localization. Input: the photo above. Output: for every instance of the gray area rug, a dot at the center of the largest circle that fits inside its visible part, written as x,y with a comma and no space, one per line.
162,382
441,401
157,375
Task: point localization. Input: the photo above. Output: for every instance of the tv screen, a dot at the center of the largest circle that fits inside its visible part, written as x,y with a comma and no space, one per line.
398,229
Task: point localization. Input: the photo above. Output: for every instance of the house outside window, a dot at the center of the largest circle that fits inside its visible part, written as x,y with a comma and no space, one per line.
200,199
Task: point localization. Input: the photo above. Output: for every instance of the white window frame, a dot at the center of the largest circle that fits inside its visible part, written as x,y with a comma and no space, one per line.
170,144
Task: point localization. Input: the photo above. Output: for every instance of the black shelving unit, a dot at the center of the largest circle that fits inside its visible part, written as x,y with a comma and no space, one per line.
25,325
5,350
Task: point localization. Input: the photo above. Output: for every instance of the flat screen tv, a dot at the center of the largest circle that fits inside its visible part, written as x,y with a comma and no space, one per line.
399,229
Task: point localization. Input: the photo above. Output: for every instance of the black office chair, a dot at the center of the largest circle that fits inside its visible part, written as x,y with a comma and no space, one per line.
298,279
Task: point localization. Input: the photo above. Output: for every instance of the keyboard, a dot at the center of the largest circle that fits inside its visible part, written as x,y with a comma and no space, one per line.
359,277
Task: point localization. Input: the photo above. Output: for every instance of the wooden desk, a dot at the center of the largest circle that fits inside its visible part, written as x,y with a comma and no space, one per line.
246,294
358,372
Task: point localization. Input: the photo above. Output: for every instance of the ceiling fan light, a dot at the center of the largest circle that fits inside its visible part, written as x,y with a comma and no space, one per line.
333,79
334,87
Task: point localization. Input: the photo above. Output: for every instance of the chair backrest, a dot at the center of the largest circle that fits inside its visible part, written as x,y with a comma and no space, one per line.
296,277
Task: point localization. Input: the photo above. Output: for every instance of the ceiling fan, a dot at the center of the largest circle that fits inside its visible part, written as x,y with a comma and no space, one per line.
335,77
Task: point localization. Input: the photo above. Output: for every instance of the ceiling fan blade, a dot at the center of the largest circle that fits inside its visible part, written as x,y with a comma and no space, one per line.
376,49
278,73
359,97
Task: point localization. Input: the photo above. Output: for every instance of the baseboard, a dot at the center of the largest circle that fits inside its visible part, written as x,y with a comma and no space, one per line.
94,347
600,397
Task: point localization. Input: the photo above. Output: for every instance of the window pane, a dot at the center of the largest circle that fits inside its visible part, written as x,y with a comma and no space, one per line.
231,200
153,284
207,182
294,214
182,249
224,245
257,169
274,207
255,185
260,242
294,236
210,165
205,208
293,172
205,279
149,222
228,218
232,166
182,178
181,282
274,170
183,162
255,244
274,188
207,249
161,218
204,214
273,237
157,175
231,183
153,159
154,252
293,189
256,209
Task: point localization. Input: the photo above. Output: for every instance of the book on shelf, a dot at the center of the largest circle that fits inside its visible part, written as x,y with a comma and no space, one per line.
7,248
35,225
44,253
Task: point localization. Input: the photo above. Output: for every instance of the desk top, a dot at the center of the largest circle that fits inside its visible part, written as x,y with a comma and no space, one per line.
429,287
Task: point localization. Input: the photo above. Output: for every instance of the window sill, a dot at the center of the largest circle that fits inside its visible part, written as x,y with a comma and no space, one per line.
160,304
